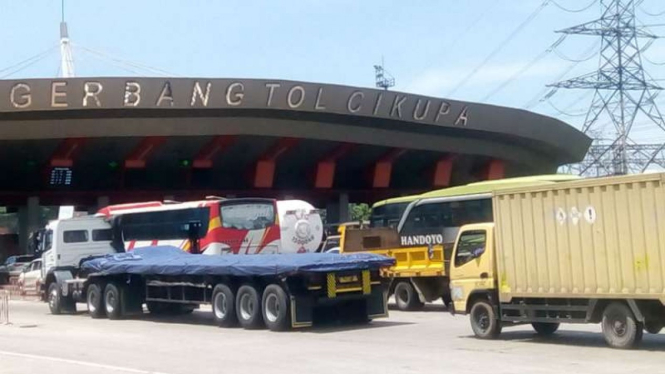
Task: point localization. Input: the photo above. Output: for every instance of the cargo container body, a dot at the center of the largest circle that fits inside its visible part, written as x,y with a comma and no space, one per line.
589,251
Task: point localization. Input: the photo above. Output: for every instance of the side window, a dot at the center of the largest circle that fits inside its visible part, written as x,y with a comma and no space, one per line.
102,235
471,245
75,236
48,240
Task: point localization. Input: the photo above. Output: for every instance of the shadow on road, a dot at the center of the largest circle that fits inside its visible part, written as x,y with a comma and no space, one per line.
651,342
438,308
205,318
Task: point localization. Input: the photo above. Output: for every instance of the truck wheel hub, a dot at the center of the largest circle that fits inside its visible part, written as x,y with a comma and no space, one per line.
272,308
220,305
246,307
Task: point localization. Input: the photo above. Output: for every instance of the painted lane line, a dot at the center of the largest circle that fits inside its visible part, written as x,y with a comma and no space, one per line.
81,363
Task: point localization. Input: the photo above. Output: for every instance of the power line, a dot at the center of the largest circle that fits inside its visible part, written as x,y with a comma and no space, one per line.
524,69
499,48
574,10
123,62
35,58
652,14
548,91
471,26
583,59
653,62
565,113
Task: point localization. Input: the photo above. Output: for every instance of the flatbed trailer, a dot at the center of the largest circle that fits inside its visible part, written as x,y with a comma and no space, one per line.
278,291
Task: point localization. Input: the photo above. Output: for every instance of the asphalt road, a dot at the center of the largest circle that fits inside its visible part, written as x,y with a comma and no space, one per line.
431,341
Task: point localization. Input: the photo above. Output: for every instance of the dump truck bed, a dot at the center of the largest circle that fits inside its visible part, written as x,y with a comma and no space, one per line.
421,261
588,239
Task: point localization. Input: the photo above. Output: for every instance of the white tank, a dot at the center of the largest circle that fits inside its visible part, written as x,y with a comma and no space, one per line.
301,226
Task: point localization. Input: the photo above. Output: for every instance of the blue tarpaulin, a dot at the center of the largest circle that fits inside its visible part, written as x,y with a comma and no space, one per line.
168,260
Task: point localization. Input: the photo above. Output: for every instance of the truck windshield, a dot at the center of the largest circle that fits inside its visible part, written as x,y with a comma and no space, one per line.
471,244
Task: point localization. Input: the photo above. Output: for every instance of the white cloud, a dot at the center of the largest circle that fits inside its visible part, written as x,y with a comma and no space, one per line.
439,80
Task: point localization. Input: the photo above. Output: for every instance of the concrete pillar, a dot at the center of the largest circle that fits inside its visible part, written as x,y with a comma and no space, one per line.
332,212
344,215
338,211
103,202
28,221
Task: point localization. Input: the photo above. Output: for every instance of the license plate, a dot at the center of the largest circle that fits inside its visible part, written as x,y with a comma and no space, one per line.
348,279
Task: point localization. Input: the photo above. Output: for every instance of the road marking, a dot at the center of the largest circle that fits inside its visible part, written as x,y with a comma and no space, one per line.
81,363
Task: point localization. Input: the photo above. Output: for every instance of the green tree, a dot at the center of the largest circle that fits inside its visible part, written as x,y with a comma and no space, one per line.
359,212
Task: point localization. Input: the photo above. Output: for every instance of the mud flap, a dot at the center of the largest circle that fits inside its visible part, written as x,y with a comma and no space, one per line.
302,311
377,303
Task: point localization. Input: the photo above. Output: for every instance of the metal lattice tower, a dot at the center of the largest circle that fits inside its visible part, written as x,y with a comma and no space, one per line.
623,92
383,78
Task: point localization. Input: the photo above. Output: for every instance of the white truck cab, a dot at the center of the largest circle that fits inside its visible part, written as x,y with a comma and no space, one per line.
68,241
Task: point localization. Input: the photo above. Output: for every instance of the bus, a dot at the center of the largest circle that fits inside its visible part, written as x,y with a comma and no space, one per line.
387,213
226,226
435,217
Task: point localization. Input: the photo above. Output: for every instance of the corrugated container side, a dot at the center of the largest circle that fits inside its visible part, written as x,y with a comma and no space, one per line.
594,238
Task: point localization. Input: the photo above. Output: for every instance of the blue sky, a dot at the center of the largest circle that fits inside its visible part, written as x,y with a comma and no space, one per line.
429,46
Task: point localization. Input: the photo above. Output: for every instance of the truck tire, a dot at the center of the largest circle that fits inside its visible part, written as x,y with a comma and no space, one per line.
54,298
224,306
276,308
406,296
248,307
95,300
113,301
620,328
545,328
484,321
57,303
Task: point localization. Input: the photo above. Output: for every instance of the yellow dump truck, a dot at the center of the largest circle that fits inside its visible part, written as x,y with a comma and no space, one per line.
419,232
590,251
419,274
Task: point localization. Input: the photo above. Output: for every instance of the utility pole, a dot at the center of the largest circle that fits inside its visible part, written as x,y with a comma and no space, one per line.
623,92
66,57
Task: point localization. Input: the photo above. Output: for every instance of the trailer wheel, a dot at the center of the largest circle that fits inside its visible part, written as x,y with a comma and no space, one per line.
545,328
248,307
407,297
113,301
620,328
276,313
95,301
223,306
484,321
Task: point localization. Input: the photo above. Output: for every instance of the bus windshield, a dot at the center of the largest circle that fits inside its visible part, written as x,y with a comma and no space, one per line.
387,215
247,216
